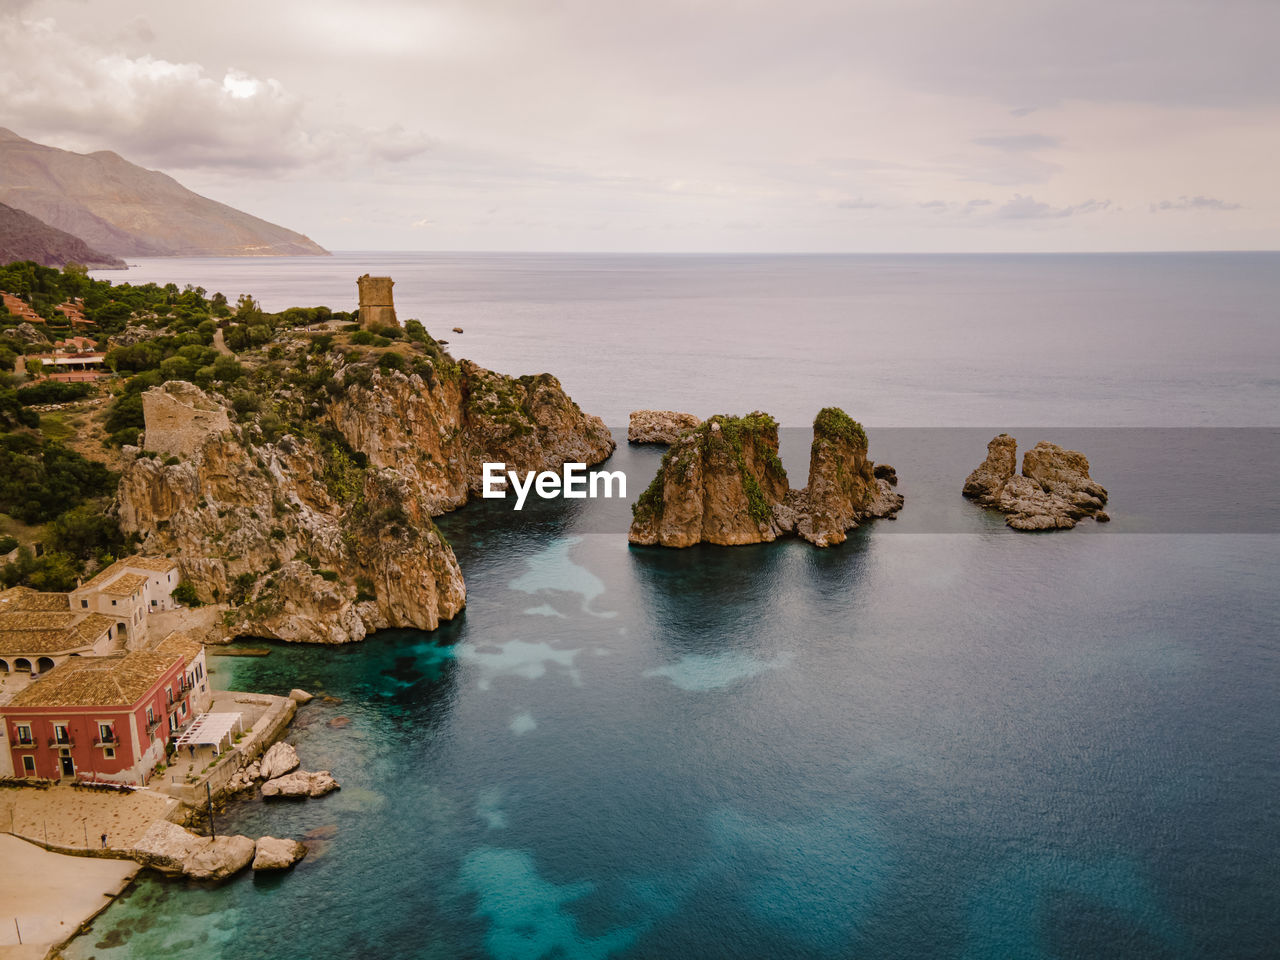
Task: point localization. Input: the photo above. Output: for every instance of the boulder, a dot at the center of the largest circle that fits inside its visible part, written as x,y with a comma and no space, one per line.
216,858
300,784
27,333
279,759
659,426
272,853
172,849
300,696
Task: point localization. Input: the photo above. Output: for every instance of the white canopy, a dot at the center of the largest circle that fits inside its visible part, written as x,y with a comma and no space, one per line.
209,729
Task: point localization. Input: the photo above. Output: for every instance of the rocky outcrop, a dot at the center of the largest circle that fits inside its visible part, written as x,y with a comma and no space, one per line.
272,853
1054,491
279,759
171,849
27,333
843,488
324,534
300,696
659,426
180,417
301,784
717,483
723,483
989,477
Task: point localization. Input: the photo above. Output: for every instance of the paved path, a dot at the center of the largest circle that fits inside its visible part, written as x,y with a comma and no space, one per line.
51,895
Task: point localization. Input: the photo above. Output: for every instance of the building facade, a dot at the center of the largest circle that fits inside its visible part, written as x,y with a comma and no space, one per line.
99,719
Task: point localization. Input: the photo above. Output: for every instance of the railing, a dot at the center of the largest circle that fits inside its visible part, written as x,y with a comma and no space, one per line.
151,726
108,741
61,742
25,741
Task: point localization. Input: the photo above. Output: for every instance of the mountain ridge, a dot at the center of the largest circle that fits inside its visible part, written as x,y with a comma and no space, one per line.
123,210
24,237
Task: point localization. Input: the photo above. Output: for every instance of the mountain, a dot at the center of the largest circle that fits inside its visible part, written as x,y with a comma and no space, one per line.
125,210
23,237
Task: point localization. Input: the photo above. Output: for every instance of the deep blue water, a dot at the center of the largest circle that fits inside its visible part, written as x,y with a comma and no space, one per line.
938,740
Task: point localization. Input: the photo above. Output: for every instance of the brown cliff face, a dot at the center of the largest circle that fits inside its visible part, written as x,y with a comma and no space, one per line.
723,483
717,484
326,533
441,434
1054,491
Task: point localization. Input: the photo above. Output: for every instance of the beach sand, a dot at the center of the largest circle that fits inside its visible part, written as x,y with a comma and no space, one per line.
51,894
67,817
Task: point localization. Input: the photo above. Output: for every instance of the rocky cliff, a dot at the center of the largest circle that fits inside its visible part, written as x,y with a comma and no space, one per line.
658,426
723,483
324,533
1054,491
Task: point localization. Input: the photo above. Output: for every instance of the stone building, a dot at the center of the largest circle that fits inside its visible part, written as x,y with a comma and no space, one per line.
377,309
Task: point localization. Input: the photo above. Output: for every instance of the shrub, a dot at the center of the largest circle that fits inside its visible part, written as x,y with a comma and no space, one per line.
53,391
186,594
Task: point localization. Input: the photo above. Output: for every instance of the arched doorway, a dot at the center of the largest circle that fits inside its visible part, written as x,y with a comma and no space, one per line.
22,665
44,664
4,666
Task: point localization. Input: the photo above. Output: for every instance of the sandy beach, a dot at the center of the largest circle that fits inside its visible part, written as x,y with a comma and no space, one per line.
67,817
51,894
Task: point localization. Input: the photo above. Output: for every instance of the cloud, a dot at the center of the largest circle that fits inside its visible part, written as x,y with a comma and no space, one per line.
857,203
1193,203
1028,208
1019,143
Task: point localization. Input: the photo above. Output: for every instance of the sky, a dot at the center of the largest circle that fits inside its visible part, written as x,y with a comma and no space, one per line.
681,125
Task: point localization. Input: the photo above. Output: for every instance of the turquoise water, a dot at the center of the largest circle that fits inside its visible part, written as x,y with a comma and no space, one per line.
925,744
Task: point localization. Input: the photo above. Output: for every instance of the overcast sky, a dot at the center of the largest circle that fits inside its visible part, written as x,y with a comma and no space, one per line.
703,125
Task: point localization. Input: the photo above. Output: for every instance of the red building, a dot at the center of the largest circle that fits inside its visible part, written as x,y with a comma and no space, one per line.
106,719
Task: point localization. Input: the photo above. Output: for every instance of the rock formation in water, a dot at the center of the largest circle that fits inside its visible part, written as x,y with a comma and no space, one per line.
324,533
659,426
171,849
273,853
1054,491
723,483
717,484
843,487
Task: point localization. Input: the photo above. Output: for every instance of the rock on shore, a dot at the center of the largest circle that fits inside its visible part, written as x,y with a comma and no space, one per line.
723,483
301,784
273,853
172,849
659,426
1053,492
279,759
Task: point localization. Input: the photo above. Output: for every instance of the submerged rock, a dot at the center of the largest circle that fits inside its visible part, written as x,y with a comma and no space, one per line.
1053,492
659,426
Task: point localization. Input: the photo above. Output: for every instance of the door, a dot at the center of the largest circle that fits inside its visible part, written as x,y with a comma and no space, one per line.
68,767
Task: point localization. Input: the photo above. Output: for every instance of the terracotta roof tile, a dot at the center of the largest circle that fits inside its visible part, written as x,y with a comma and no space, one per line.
96,681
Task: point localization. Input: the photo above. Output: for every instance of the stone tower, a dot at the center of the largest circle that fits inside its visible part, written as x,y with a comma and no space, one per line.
376,306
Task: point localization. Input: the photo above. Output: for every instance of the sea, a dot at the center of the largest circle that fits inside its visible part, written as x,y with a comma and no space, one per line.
940,739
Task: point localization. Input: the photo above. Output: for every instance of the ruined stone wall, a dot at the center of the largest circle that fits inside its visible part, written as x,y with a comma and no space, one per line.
377,308
178,416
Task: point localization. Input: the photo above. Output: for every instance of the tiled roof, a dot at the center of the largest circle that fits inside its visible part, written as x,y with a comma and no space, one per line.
125,586
96,681
24,598
154,564
181,645
43,632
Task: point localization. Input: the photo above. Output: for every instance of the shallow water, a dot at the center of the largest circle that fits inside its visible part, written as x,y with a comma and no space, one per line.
938,740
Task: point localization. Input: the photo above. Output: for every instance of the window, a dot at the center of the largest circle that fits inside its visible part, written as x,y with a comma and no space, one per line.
109,753
151,716
24,733
60,733
28,763
105,733
153,601
84,604
113,603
